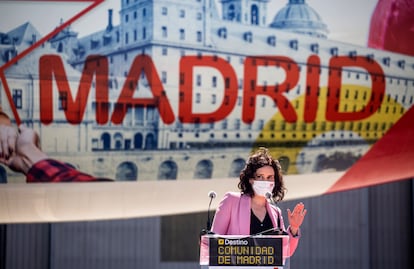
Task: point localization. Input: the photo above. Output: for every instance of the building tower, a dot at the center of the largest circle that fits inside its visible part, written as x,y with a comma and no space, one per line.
64,41
300,18
245,11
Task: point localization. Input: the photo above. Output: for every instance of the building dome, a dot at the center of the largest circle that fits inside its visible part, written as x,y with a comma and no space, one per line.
298,17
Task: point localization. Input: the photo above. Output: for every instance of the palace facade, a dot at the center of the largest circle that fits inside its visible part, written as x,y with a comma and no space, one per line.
194,86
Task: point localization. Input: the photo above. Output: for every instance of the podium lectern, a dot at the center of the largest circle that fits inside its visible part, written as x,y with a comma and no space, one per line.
240,251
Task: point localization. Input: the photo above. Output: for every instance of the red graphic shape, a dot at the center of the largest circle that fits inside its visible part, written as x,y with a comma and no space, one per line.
389,160
392,26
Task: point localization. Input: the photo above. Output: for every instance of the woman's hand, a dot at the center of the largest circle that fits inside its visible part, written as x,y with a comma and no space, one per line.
296,217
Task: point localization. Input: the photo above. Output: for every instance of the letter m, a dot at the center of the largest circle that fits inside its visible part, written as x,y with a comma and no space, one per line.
51,67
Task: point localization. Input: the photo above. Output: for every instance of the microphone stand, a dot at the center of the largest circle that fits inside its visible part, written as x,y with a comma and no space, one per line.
272,231
208,214
212,195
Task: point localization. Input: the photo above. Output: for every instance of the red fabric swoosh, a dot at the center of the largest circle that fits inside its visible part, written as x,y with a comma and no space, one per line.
390,159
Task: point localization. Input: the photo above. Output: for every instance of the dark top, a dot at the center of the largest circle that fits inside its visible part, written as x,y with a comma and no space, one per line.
256,226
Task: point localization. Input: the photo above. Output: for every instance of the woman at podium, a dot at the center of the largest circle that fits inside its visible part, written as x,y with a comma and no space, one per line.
253,210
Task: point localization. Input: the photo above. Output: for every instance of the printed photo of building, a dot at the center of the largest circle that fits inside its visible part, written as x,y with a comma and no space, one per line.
178,91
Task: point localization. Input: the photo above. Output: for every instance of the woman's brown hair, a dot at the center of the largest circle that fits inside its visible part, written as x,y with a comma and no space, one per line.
257,160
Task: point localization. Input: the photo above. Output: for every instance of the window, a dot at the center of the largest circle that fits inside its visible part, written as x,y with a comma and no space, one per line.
231,12
182,13
254,15
164,31
214,82
261,124
224,124
239,100
237,124
204,169
167,170
182,34
164,11
222,32
63,101
199,36
198,80
94,44
271,40
60,47
126,171
293,44
17,98
164,77
315,48
248,37
352,54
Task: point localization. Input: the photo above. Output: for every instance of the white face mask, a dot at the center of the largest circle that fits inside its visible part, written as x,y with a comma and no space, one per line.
261,187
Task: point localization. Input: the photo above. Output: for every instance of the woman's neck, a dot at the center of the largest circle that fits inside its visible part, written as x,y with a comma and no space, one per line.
258,200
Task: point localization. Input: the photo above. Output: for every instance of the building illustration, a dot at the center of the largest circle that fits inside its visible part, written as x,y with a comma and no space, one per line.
185,90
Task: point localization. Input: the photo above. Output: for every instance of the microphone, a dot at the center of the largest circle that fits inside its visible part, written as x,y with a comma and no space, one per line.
212,195
277,230
272,231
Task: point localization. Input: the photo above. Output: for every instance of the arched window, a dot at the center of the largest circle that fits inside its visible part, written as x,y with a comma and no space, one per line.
236,166
254,13
204,169
138,141
284,163
60,47
231,12
320,163
150,142
118,141
126,171
106,141
167,170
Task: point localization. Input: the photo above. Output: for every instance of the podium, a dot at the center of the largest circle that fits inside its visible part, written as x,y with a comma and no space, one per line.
240,251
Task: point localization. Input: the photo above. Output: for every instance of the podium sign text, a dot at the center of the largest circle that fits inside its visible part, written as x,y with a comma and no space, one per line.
248,251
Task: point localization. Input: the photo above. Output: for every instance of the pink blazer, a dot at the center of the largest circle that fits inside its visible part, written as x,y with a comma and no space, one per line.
233,218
